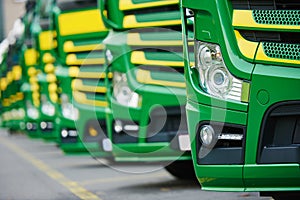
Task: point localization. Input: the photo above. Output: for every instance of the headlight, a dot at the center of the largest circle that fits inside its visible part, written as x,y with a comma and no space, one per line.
68,110
21,113
122,92
109,56
48,108
215,79
32,112
207,135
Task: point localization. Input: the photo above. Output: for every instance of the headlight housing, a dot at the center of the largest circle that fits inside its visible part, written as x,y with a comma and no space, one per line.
68,109
32,112
122,92
215,79
47,107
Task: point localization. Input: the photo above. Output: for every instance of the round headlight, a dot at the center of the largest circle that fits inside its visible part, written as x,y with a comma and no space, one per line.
205,57
64,133
48,109
219,82
214,77
122,92
70,112
207,135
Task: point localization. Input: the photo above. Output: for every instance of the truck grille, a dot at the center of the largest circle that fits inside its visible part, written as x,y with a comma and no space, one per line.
266,4
271,27
283,17
166,123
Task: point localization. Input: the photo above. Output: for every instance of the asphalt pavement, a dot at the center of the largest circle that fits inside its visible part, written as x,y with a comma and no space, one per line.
32,169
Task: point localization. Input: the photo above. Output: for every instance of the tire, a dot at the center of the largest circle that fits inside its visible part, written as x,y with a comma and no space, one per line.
182,170
282,195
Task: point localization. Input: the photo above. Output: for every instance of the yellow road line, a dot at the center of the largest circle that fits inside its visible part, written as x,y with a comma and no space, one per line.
72,186
124,178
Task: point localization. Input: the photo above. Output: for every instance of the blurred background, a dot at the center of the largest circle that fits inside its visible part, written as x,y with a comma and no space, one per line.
10,10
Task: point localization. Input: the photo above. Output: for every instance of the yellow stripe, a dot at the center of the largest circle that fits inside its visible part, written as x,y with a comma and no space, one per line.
33,79
30,56
261,56
3,83
34,87
246,47
139,57
9,77
72,186
52,87
53,97
6,102
46,40
81,22
75,72
144,76
129,5
48,58
135,39
51,78
70,47
31,71
131,22
72,60
12,98
244,18
49,68
78,85
81,98
248,50
17,72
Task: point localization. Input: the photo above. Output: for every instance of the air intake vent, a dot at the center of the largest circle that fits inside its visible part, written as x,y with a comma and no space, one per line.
271,36
266,4
281,17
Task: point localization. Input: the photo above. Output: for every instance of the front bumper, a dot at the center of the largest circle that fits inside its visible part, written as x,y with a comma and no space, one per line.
155,128
271,147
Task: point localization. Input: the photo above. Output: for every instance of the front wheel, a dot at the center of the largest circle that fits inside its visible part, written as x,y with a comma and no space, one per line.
282,195
182,170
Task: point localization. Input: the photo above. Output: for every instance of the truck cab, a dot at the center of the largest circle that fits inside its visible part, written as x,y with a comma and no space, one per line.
80,32
146,120
242,108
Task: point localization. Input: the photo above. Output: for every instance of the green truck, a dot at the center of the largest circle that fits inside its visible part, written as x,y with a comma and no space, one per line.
12,97
80,32
243,107
29,62
43,38
146,119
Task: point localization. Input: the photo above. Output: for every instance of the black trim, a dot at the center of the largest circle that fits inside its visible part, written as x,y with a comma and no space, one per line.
125,137
165,123
271,36
66,5
222,152
266,4
279,134
99,126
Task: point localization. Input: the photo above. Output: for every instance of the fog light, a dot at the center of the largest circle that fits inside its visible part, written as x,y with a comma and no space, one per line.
64,133
43,125
107,145
29,126
207,135
118,126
